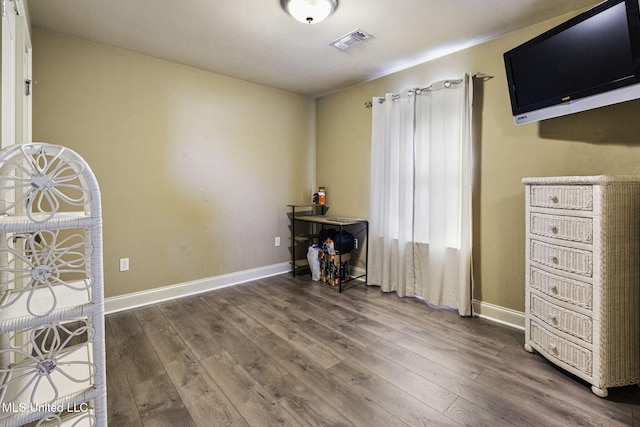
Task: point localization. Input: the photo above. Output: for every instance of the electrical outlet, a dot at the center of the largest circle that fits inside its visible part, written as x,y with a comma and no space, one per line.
277,243
355,242
124,264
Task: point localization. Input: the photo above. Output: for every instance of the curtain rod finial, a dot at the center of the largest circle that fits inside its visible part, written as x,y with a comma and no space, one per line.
482,76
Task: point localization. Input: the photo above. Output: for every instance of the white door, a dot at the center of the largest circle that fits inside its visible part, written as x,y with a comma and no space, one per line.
16,86
15,102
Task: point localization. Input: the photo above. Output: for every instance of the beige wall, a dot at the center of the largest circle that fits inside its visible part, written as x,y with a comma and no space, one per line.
603,141
195,168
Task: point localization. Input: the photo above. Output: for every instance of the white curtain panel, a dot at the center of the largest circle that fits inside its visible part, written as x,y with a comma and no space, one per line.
420,209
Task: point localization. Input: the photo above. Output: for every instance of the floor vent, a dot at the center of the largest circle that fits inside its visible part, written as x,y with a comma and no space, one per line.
351,39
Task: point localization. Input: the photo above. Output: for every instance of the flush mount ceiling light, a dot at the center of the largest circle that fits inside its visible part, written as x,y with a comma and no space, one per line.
309,11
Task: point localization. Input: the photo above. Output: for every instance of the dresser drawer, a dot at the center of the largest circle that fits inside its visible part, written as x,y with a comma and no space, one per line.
568,290
572,260
561,349
562,319
578,197
574,229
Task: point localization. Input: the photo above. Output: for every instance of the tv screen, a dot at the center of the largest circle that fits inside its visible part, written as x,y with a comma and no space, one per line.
595,52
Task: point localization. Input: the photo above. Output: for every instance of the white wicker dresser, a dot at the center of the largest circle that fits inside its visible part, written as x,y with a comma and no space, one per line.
583,276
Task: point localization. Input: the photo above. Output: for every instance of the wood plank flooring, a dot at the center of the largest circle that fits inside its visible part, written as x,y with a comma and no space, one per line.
291,352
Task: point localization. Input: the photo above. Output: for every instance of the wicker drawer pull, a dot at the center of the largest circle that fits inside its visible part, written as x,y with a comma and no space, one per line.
554,199
554,259
553,319
554,230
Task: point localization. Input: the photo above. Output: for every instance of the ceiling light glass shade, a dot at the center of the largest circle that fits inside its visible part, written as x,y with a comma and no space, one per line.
309,11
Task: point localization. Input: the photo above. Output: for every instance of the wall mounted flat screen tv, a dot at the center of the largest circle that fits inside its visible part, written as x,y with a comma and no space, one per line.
590,61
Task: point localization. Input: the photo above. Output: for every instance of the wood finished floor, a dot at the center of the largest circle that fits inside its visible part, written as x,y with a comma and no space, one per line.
285,351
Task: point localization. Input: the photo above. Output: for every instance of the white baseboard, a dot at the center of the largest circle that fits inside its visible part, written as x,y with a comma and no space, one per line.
499,314
153,296
357,271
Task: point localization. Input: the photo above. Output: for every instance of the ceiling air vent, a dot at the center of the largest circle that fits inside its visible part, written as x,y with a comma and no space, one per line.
353,38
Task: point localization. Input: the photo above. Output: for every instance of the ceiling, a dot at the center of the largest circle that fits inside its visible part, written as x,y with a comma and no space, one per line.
256,40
